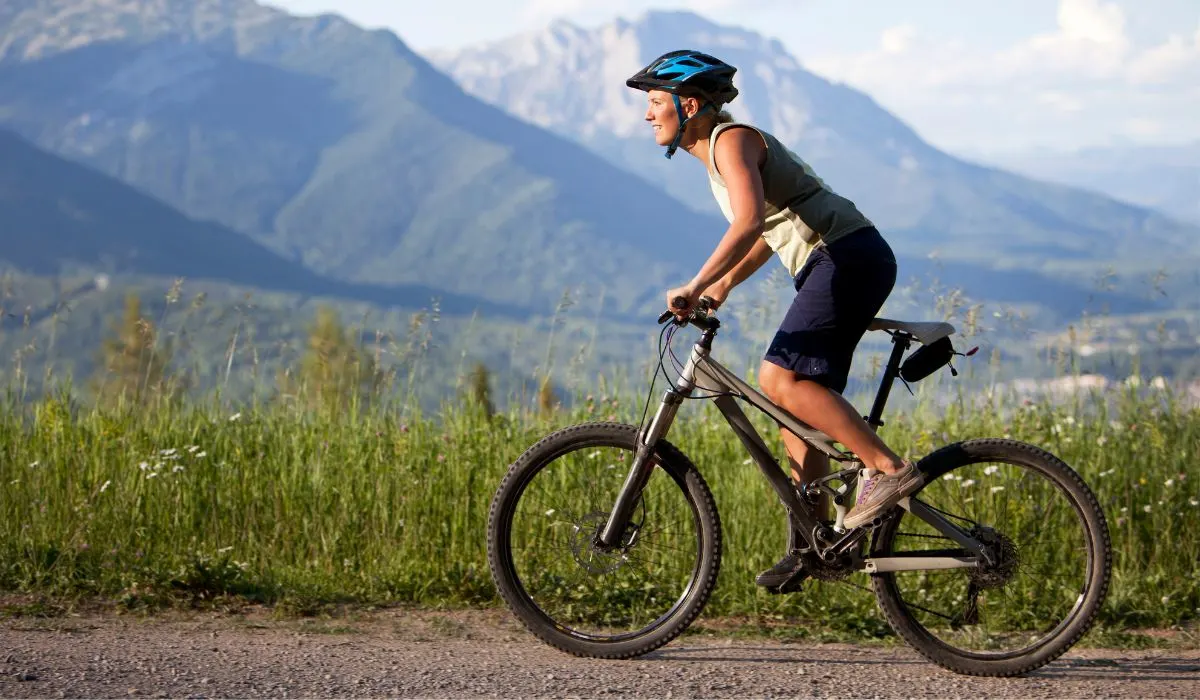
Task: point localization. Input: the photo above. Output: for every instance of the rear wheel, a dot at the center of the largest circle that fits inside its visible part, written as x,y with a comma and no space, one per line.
617,602
1052,560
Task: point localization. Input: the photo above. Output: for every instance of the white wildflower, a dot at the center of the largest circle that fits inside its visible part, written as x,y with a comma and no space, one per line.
1166,599
997,488
991,470
1101,440
1069,420
968,483
222,550
167,453
550,512
104,487
193,448
1146,507
143,466
1193,502
748,460
34,464
200,455
151,475
235,416
1169,483
177,468
594,454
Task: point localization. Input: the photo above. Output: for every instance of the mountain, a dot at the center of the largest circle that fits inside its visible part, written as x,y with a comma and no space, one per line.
1166,178
60,217
571,80
336,147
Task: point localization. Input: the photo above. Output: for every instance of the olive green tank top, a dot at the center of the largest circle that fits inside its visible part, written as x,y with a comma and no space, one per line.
801,210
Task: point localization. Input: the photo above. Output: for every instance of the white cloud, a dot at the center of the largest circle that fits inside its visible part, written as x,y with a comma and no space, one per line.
897,39
1090,21
1167,62
1083,81
1060,101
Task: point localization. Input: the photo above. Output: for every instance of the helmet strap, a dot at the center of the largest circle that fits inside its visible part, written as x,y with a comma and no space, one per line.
683,122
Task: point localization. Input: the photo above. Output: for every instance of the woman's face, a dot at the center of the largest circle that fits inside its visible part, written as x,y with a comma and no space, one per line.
660,112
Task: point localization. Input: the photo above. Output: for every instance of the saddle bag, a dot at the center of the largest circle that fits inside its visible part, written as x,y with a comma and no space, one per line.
927,359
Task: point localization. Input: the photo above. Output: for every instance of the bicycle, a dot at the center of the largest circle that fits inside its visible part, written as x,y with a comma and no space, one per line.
913,548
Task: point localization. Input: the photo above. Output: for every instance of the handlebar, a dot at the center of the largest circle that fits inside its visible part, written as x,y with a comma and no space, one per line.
698,316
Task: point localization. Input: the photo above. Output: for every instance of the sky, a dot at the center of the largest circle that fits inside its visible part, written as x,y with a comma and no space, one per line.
978,78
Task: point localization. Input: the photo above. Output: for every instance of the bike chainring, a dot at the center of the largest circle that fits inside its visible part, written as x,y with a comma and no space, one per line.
1003,551
818,568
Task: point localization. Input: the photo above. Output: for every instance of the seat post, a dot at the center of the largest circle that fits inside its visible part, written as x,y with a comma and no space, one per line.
900,343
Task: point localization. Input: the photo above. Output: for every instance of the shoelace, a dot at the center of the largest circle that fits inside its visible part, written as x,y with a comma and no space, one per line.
867,489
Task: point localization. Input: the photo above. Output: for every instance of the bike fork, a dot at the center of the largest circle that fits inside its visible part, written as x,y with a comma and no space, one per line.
639,471
647,440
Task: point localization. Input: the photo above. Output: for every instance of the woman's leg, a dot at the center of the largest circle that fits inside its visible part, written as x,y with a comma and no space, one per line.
807,465
829,412
838,292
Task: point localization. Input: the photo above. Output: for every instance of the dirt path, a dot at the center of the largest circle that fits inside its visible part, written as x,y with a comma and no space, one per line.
405,654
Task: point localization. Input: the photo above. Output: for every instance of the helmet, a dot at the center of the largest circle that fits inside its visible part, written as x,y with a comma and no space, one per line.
687,72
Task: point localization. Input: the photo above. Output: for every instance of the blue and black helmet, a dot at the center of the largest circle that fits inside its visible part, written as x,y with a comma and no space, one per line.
688,73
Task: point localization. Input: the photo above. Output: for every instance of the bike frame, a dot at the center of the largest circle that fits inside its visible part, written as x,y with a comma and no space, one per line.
830,544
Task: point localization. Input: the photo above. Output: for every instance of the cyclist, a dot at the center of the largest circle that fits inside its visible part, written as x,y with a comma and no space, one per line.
842,267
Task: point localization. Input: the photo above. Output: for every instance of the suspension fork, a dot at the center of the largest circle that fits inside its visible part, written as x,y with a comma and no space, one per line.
640,470
647,441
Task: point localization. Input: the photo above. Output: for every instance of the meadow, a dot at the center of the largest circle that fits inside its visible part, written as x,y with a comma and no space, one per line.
303,508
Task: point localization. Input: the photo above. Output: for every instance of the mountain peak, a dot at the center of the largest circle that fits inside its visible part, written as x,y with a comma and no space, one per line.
38,29
675,20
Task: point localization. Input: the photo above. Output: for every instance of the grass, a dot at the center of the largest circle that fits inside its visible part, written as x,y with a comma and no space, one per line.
305,510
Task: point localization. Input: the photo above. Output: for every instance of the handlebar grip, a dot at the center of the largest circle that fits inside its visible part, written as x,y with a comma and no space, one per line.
665,315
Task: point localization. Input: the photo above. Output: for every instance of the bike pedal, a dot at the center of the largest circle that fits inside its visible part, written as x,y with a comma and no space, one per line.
793,584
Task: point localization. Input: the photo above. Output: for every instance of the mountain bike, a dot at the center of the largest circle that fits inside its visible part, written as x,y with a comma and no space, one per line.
605,541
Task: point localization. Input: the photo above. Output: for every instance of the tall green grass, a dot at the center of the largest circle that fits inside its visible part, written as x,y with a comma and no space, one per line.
301,508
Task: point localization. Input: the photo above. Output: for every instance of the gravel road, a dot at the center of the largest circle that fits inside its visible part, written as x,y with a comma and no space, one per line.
411,654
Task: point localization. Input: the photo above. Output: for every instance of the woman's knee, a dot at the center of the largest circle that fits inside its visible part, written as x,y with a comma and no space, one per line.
773,380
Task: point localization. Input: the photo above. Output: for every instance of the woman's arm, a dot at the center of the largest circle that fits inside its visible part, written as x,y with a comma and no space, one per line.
756,258
737,154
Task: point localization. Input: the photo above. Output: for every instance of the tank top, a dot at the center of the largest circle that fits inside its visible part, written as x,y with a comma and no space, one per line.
801,211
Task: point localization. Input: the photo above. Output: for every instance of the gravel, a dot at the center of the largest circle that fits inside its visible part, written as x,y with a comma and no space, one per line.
486,654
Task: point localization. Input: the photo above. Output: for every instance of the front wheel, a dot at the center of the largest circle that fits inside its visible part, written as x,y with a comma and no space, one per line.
584,599
1051,560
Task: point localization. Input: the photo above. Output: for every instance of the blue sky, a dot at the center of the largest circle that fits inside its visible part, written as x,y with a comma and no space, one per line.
978,78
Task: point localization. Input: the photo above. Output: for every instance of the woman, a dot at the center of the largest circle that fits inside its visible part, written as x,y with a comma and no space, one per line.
842,267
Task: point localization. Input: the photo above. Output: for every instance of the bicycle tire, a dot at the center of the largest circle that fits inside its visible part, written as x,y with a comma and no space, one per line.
1081,617
682,472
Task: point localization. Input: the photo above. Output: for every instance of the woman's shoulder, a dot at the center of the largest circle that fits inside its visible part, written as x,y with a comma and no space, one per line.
740,135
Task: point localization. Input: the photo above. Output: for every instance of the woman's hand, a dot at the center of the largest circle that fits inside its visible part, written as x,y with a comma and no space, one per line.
690,295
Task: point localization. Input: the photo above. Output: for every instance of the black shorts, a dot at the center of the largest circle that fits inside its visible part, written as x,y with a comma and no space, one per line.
838,292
